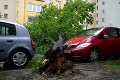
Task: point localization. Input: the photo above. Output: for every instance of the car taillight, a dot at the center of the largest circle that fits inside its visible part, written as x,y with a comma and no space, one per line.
32,43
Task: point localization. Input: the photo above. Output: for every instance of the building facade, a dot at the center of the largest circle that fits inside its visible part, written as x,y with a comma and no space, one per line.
107,13
22,11
8,10
94,15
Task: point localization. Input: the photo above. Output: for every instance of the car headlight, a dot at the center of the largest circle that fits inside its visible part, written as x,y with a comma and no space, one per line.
83,45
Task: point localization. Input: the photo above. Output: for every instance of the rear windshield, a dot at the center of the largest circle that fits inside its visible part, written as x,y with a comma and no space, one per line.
90,32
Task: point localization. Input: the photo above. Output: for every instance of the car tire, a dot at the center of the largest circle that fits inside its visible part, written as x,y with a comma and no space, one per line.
93,55
19,58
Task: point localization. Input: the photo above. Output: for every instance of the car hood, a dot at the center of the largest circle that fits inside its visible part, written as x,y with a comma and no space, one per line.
79,40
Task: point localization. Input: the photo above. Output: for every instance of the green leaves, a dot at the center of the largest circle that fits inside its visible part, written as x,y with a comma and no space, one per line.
37,65
2,77
65,20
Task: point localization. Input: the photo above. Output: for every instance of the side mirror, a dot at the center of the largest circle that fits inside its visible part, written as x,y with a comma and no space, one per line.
105,36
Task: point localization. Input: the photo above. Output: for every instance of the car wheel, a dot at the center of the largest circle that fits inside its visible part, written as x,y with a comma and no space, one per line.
93,55
19,58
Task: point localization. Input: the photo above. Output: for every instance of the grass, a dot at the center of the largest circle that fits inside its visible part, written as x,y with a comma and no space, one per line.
83,79
110,65
2,77
34,60
36,63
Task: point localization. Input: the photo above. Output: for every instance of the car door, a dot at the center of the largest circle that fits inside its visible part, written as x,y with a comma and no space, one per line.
109,46
7,37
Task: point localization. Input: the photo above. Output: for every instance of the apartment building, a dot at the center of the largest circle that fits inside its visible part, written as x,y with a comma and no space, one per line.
22,11
8,10
94,15
107,13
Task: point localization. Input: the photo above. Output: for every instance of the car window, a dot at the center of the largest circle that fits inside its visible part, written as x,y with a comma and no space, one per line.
119,32
90,32
111,32
7,29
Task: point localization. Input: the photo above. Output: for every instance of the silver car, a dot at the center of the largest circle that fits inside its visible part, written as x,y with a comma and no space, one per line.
16,46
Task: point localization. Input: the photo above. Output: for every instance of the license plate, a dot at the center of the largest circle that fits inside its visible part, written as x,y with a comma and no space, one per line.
67,51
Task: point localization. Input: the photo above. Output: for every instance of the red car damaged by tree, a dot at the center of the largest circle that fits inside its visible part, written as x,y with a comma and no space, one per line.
94,44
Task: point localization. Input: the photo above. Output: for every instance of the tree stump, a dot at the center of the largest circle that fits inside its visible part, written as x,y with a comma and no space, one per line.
55,61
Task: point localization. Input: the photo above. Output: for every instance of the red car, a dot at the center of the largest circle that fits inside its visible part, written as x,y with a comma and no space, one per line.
94,44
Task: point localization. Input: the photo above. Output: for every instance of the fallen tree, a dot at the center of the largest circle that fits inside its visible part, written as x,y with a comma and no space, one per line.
55,61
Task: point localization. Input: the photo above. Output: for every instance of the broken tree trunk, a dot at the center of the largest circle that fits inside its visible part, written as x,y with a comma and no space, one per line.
55,61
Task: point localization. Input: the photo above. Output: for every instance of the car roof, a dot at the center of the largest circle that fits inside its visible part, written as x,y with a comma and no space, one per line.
106,27
11,22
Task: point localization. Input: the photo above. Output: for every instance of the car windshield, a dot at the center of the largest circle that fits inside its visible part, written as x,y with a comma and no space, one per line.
90,32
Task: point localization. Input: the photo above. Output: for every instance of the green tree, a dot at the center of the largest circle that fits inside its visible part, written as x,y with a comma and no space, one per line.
65,20
74,13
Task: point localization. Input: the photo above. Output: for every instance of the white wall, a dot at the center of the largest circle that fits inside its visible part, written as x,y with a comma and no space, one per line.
111,14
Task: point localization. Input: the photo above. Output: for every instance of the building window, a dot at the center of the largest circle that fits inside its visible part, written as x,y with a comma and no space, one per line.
97,7
17,13
31,18
5,16
97,1
0,15
96,14
38,9
30,7
96,22
5,6
58,3
103,11
103,20
47,1
103,3
34,8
